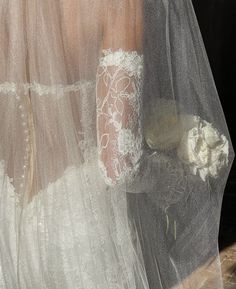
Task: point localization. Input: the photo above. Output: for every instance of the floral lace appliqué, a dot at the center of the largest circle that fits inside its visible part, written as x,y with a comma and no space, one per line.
118,97
57,90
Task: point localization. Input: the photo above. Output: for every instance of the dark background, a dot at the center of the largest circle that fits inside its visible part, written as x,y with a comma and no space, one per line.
217,21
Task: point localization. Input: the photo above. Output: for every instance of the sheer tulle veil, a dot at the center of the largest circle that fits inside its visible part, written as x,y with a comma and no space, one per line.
114,148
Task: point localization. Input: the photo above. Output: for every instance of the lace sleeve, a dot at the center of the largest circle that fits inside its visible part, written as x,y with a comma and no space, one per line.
118,97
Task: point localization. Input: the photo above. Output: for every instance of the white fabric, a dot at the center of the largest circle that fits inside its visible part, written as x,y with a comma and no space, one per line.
118,114
114,149
99,269
202,147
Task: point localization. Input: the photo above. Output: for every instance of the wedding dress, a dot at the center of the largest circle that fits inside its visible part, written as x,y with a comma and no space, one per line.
114,149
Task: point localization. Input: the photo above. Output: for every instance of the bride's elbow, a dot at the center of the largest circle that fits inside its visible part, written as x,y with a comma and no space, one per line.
122,171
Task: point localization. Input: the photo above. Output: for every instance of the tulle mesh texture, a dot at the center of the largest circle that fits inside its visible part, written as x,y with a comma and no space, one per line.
118,114
114,149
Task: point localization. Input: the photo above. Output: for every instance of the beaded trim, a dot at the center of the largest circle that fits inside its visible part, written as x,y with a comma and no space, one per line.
44,90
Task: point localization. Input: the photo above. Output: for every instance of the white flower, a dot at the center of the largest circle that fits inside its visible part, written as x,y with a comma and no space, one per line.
197,142
163,127
202,147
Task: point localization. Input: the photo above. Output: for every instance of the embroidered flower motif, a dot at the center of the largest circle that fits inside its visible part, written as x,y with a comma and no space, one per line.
129,61
57,90
126,141
118,110
202,147
7,87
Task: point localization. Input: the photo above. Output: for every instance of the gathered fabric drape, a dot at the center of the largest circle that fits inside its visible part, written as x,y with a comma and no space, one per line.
114,149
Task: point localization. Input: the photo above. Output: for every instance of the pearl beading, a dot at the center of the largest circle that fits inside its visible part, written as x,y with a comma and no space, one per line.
21,92
22,107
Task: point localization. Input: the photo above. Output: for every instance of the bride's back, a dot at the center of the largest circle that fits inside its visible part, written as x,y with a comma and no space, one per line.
49,56
49,41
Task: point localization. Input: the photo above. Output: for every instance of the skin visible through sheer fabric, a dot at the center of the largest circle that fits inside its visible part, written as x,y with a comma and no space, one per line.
91,197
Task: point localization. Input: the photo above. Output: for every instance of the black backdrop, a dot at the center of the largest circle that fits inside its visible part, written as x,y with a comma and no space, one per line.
217,21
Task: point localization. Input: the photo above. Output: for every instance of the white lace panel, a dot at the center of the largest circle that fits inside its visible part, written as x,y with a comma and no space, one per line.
118,99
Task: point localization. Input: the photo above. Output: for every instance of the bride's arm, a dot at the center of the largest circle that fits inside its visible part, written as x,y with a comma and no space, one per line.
118,92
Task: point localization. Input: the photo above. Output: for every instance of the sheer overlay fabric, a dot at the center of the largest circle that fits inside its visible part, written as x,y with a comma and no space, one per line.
114,149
